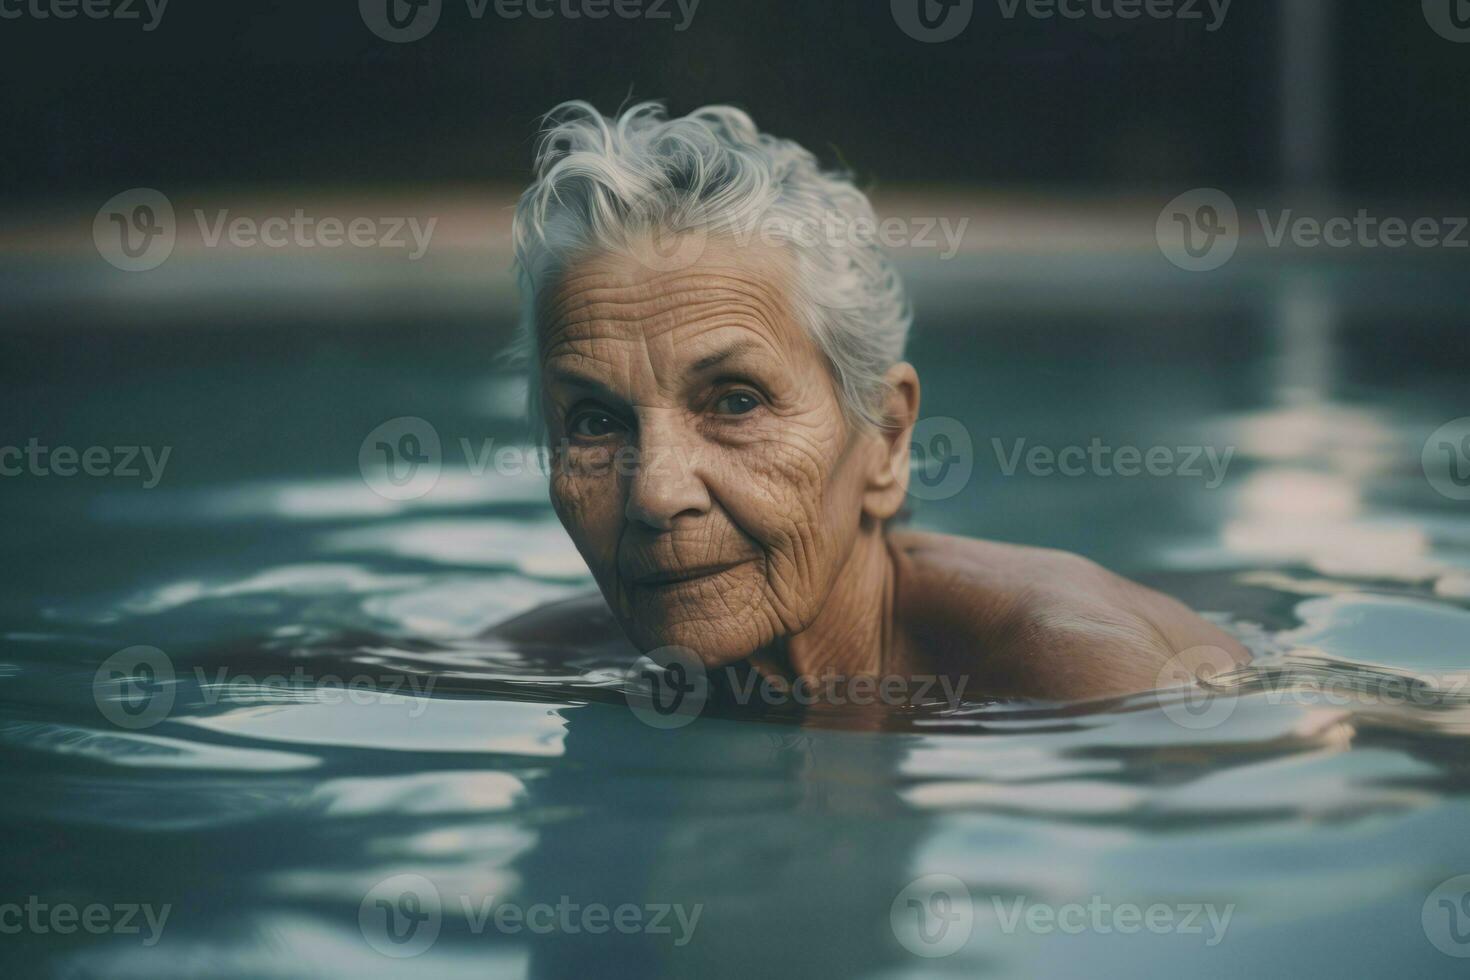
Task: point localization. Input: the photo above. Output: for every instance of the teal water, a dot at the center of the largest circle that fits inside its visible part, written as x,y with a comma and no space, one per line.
1314,803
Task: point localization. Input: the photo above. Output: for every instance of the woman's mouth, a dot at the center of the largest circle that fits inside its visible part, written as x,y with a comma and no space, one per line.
674,577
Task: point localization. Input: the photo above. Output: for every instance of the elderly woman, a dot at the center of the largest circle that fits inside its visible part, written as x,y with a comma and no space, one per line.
715,354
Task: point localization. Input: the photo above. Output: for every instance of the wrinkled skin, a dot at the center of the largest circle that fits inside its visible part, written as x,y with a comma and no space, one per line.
707,474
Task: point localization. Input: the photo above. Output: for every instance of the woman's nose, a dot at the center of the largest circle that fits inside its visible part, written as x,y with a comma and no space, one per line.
665,484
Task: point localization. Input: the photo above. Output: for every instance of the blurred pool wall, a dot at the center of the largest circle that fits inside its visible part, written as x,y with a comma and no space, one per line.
1048,146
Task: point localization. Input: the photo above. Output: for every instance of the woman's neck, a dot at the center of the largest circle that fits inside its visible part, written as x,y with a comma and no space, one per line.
853,634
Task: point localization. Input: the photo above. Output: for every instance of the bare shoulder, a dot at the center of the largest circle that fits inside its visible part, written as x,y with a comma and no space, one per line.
1036,622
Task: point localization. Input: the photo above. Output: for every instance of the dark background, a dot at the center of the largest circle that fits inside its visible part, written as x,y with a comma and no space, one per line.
288,92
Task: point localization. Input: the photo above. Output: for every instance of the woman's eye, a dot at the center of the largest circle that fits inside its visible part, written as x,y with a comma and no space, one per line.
593,425
737,403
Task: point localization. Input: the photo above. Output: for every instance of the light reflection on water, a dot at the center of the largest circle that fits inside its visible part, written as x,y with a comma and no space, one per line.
1325,806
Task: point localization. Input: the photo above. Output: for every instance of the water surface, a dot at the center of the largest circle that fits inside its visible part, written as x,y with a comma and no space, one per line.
1319,796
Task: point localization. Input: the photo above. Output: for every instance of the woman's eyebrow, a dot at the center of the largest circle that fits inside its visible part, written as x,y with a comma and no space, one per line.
578,380
718,357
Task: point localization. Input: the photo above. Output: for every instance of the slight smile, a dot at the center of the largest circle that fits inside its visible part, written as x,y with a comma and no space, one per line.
683,576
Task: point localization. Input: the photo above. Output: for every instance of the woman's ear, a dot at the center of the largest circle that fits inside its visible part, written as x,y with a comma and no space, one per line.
888,477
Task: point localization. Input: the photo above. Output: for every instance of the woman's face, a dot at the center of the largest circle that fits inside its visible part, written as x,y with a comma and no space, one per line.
703,465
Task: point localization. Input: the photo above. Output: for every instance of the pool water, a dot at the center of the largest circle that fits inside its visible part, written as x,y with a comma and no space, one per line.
318,768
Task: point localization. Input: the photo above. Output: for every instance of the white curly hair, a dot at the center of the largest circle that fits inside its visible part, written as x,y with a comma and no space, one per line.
602,183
